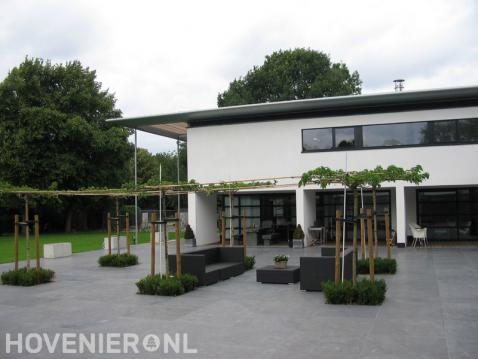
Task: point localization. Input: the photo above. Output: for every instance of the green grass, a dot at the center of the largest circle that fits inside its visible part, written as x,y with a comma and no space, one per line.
80,242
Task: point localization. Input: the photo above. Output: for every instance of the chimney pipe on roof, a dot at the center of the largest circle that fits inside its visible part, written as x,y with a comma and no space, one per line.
399,85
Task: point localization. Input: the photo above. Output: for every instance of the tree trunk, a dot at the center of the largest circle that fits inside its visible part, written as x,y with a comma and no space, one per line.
355,254
69,218
375,231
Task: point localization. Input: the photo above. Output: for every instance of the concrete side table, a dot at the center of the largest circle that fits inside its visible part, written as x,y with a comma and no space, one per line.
271,274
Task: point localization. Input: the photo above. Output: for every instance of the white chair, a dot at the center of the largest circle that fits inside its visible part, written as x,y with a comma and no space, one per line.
419,235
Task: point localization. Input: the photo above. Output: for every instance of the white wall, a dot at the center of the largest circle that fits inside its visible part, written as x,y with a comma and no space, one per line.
274,149
306,208
202,217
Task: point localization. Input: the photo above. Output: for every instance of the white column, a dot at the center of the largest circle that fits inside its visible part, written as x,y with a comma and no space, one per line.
305,211
401,214
202,217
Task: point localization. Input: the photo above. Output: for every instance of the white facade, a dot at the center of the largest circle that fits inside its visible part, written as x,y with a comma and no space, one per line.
271,149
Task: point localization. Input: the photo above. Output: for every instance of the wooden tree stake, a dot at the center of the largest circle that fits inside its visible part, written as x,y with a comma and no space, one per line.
37,240
117,227
371,257
178,247
153,243
375,230
108,225
338,235
17,231
388,239
362,233
166,258
128,245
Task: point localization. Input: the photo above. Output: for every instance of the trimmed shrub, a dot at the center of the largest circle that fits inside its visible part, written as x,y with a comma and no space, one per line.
168,286
118,260
298,233
188,232
382,266
249,262
189,282
364,293
27,277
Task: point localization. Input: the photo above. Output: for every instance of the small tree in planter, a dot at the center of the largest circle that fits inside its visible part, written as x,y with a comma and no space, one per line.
298,237
189,235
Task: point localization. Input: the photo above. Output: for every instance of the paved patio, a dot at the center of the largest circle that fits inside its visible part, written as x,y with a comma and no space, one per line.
431,310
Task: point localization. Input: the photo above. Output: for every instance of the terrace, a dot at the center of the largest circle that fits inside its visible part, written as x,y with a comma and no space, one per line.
430,310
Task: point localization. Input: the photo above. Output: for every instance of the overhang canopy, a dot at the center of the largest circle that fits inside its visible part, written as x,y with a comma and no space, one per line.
174,125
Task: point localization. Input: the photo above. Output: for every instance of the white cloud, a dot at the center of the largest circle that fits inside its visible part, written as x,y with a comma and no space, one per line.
170,56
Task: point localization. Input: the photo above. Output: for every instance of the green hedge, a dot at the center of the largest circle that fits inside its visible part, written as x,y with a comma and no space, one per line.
169,286
365,292
118,260
382,266
27,277
249,262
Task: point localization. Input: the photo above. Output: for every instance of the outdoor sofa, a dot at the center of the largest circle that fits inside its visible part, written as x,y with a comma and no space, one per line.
212,264
318,269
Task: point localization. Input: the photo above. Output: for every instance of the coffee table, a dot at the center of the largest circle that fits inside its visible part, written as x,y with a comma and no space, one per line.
271,274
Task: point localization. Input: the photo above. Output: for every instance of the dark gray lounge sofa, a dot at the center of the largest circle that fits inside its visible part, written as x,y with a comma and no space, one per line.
212,264
318,269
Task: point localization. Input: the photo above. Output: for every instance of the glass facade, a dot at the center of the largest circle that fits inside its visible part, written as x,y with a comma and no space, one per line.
449,214
423,133
264,213
328,202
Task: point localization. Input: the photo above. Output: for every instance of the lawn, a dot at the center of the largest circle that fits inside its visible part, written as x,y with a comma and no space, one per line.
80,242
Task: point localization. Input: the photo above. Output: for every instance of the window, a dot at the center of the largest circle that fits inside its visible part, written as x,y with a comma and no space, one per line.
398,134
345,137
422,133
444,131
468,130
317,139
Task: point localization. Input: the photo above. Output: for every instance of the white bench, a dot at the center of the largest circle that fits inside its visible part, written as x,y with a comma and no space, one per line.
114,242
57,250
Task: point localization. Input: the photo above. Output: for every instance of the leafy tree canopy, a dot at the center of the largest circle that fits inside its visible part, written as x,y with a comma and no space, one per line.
292,75
53,132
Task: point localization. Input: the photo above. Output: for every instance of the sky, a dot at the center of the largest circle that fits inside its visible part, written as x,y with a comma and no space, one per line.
169,56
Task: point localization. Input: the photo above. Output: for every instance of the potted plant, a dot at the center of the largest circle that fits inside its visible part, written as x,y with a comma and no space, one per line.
280,261
298,237
189,235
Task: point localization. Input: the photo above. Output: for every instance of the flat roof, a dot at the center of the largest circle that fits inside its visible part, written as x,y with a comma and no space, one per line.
174,125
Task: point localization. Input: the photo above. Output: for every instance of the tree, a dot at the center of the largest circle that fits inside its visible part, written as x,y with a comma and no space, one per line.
292,75
53,132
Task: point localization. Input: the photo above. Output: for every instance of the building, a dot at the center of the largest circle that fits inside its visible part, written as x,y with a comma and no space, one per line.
437,129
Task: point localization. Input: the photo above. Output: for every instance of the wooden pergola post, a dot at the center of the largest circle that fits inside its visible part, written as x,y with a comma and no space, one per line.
362,233
244,233
128,246
388,239
117,227
371,256
37,240
27,232
178,247
108,225
338,235
17,232
223,231
153,243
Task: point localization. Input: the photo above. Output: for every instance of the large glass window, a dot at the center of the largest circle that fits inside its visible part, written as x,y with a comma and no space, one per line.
468,130
345,137
444,131
449,214
317,139
398,134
